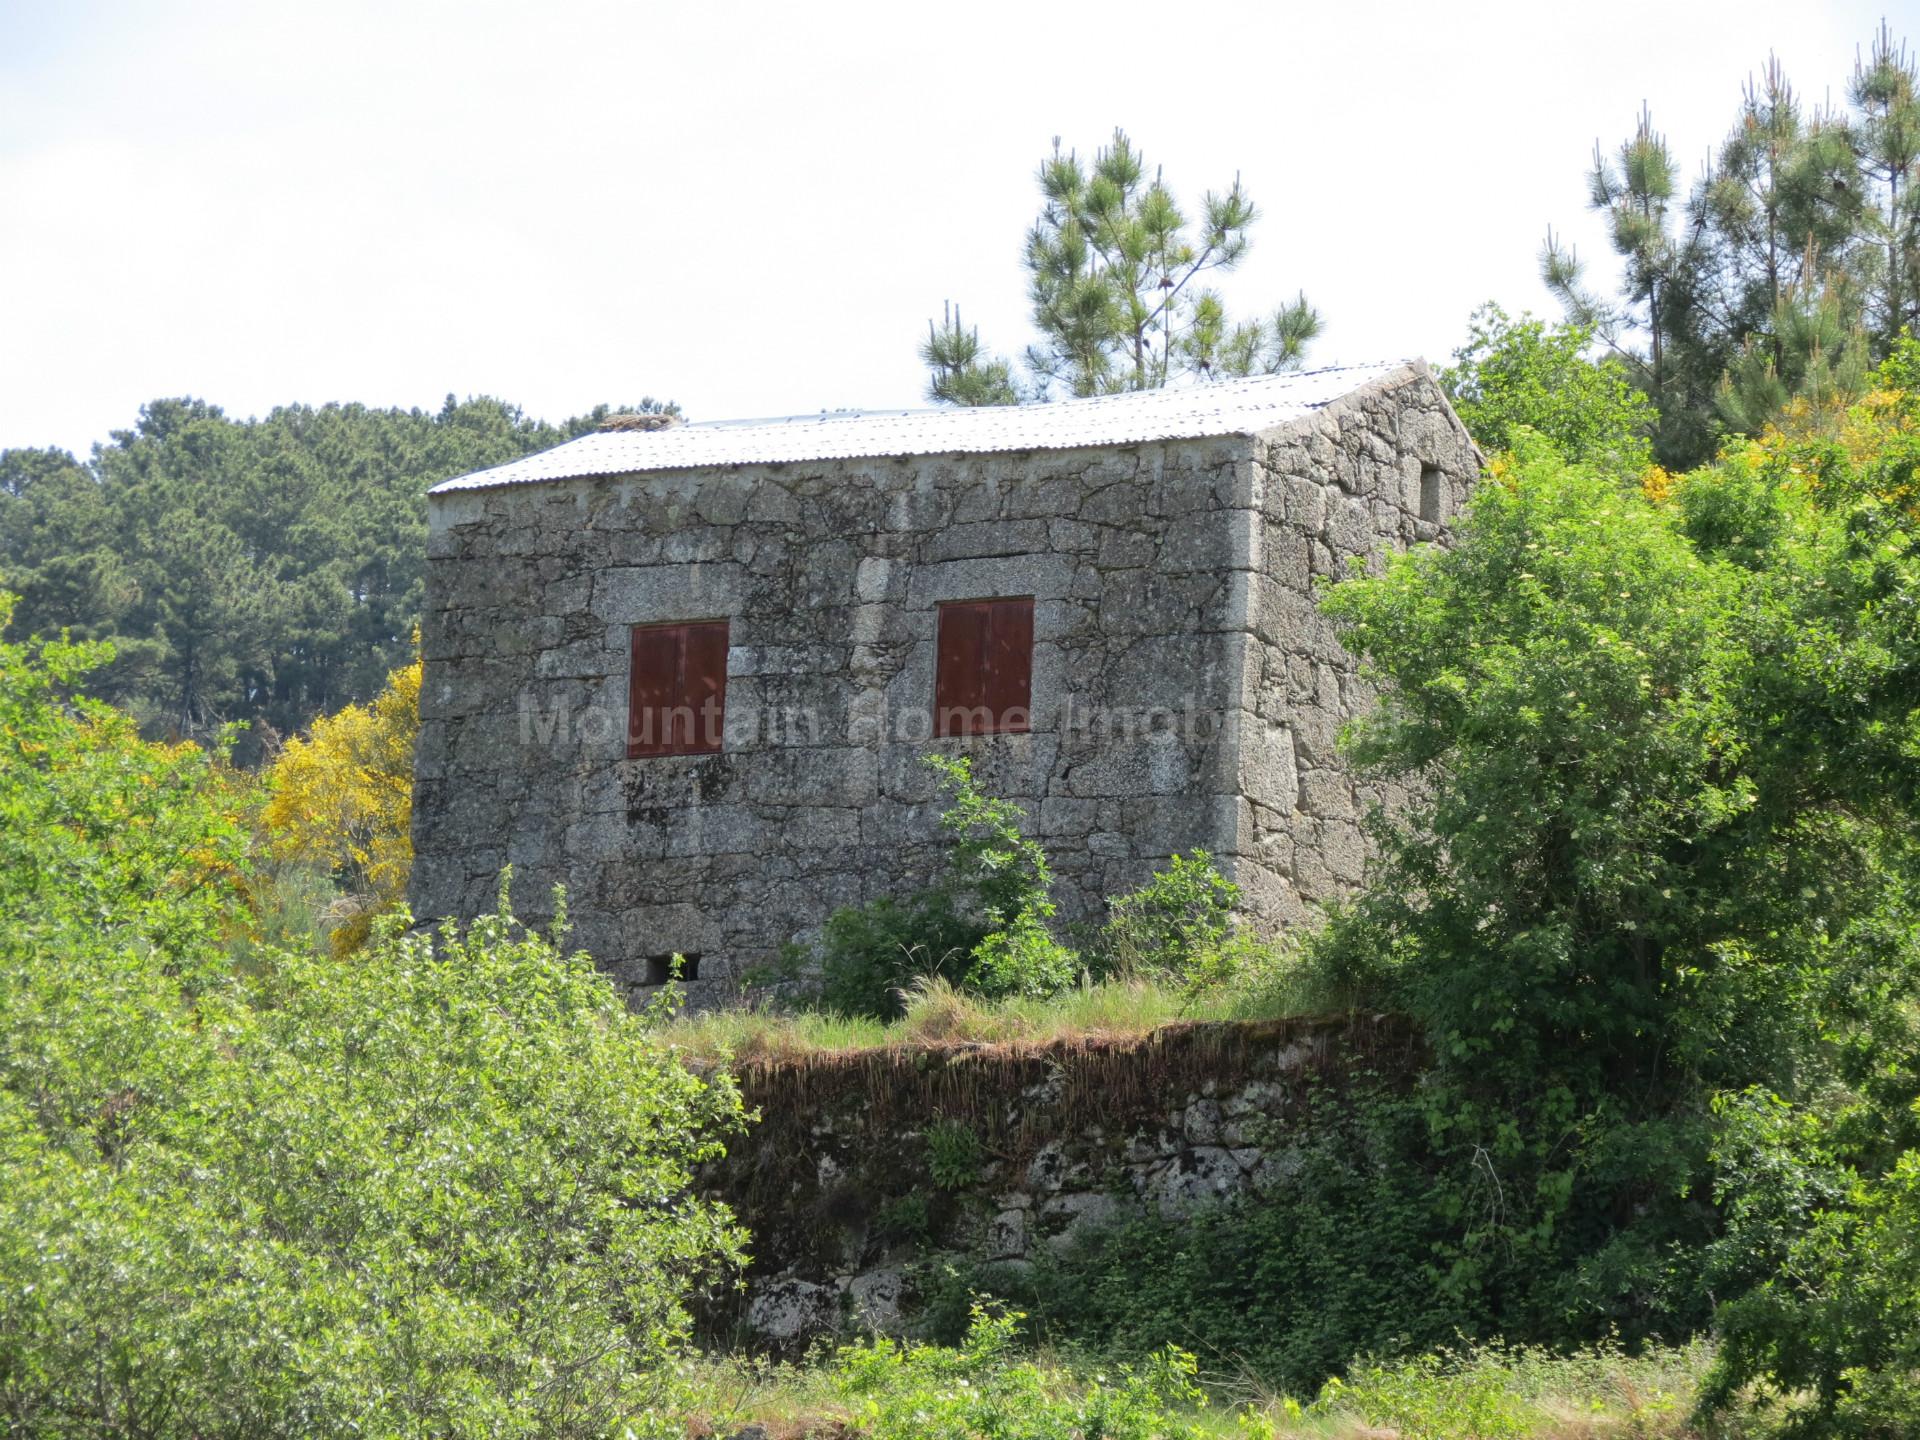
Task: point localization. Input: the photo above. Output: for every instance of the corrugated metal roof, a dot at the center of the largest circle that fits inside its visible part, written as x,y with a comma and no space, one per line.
1220,407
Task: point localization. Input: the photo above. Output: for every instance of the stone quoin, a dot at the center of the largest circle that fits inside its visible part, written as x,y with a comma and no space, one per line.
690,672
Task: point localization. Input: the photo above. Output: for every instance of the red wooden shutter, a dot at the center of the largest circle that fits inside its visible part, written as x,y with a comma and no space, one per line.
957,668
983,668
676,696
651,688
703,687
1007,678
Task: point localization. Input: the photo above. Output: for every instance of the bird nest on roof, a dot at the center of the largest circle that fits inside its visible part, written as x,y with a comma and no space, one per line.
629,420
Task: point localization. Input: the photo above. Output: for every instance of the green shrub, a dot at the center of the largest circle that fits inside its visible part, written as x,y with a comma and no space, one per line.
440,1189
1253,977
1022,958
897,1391
953,1155
1332,1261
1173,926
982,925
868,955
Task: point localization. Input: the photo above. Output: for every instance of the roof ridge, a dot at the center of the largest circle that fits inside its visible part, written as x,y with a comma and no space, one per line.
1236,405
1219,382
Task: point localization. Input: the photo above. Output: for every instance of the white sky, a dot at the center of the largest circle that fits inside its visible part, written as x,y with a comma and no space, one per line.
754,209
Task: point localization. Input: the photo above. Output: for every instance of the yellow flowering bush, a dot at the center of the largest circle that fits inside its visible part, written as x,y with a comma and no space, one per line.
341,801
1868,448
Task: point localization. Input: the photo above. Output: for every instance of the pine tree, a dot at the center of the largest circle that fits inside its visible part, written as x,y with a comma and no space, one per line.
960,372
1793,263
1781,206
1885,92
1664,257
1117,277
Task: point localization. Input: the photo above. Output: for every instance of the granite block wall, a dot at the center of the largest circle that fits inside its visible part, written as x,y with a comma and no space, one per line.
1185,694
1380,471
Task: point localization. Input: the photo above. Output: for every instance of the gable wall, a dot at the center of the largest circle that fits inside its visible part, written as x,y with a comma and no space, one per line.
1346,486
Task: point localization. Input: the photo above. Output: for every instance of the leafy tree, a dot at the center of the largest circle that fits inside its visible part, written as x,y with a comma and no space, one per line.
1116,275
440,1190
1819,1181
1665,837
1515,373
142,846
341,802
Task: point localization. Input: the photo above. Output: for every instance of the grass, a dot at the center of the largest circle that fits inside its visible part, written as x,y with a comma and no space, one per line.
1264,981
938,1014
1497,1392
1474,1393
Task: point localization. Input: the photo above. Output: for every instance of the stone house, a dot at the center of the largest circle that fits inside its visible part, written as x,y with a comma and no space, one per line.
691,671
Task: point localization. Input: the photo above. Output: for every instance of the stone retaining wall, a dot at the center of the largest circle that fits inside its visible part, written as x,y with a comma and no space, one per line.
854,1180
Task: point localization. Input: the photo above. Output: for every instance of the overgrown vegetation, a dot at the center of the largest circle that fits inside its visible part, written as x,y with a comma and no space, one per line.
981,925
987,924
1291,1283
1651,924
938,1014
439,1188
1654,909
986,1385
1665,865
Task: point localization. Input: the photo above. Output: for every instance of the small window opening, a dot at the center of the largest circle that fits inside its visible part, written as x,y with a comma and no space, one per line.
662,968
677,689
1430,493
983,668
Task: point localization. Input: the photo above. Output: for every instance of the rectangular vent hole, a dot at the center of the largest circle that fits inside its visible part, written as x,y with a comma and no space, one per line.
1430,493
661,968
